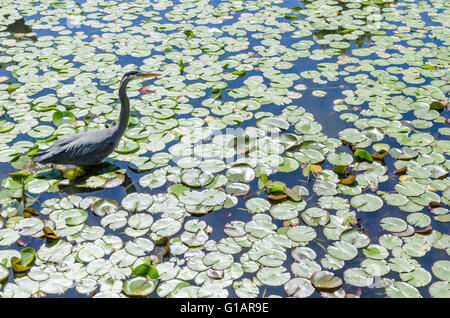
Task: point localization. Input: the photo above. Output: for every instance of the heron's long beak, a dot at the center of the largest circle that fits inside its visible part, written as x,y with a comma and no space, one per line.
151,74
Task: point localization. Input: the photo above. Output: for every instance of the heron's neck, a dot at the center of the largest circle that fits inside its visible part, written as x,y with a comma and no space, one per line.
124,116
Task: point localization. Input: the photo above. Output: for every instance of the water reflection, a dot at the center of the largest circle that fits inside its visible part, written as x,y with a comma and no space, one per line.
86,180
78,188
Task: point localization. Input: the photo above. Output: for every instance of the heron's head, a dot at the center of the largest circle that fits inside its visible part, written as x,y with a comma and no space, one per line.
138,74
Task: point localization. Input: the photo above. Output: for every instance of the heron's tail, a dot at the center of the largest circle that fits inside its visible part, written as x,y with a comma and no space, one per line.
42,157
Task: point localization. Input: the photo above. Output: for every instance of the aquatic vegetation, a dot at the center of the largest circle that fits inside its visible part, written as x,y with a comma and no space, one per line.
289,149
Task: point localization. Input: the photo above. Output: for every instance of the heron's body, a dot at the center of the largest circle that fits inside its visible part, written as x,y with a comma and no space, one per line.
91,147
83,149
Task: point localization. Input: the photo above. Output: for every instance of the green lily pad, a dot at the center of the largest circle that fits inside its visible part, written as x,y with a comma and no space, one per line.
362,154
301,234
343,251
417,278
393,224
402,290
357,277
375,251
139,286
276,276
355,237
341,159
196,178
63,117
127,146
105,206
410,188
366,202
396,199
257,205
283,211
440,289
137,202
4,272
299,288
441,269
325,280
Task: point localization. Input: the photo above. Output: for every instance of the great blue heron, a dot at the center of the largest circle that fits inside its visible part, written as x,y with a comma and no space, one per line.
91,147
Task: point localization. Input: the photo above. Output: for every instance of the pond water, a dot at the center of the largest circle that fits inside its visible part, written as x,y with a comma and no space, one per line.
289,149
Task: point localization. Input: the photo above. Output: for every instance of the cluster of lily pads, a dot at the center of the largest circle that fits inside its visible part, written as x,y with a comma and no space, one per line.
215,136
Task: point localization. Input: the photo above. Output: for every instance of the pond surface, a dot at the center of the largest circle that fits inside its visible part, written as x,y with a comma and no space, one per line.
289,149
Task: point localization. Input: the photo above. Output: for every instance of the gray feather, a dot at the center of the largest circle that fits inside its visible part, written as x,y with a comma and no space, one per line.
86,148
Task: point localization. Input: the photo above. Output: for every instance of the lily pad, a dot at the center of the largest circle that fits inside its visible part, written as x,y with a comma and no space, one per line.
299,288
366,202
343,251
392,224
324,280
139,286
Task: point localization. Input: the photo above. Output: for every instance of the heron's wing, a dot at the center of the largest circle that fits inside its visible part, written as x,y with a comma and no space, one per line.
47,156
81,149
92,143
64,141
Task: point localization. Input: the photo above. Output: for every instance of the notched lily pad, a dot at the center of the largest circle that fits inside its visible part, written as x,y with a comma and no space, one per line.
324,280
366,202
196,178
139,286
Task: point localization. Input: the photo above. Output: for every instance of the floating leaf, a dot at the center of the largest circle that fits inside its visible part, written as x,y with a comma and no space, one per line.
341,159
290,16
49,234
437,106
375,251
196,178
362,154
283,211
441,269
440,289
17,266
301,234
402,290
393,224
348,180
357,277
105,206
299,288
343,251
366,202
145,269
139,286
355,237
62,117
276,276
325,280
4,273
